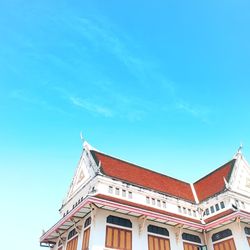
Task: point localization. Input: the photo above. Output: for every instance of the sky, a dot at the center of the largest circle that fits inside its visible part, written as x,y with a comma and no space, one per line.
163,84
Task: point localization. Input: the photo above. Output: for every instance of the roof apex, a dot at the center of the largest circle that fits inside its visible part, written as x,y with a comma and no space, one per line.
238,154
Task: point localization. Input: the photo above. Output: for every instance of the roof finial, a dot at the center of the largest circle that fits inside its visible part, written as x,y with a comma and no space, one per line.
82,138
239,151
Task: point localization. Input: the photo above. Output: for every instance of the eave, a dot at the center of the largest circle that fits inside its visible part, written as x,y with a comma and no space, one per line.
138,210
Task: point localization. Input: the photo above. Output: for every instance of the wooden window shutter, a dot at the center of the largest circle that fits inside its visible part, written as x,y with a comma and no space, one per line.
158,243
226,244
85,242
118,238
189,246
72,244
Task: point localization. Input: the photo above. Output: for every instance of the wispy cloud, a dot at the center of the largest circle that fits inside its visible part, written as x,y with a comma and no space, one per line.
103,36
108,103
200,112
35,101
90,106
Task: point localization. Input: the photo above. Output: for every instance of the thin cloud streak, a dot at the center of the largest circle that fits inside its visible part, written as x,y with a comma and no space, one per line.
103,36
198,112
91,107
24,97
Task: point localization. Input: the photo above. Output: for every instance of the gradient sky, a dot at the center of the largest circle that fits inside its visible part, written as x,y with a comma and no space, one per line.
164,84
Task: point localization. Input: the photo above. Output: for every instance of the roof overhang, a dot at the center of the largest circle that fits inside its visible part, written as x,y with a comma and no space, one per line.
239,216
85,207
73,217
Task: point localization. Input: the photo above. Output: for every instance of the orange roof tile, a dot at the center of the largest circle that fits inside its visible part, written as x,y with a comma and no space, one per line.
213,183
206,187
134,174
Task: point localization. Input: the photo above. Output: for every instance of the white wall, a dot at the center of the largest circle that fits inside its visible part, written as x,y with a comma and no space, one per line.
139,240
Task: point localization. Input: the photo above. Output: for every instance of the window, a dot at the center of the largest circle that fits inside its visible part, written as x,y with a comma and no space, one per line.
212,209
158,242
207,211
72,241
247,230
86,234
179,209
189,211
85,241
117,191
225,244
217,208
158,230
184,210
153,201
130,195
194,213
190,246
221,235
123,193
222,205
118,238
87,222
147,200
158,203
242,204
72,233
119,221
110,189
191,237
164,204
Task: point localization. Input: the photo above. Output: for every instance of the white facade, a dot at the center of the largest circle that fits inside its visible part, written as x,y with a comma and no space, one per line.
96,195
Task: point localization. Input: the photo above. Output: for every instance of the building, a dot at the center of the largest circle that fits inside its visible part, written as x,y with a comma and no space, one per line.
114,204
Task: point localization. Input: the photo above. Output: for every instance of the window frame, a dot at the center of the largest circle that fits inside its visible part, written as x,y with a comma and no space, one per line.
158,234
214,241
112,226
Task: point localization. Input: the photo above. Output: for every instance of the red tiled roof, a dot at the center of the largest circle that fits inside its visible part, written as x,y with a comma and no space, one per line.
133,204
213,183
134,174
206,187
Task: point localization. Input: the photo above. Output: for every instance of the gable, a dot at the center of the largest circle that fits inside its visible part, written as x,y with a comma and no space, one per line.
86,170
240,179
142,177
214,182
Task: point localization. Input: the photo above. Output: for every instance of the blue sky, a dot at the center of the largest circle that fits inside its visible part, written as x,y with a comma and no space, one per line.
164,84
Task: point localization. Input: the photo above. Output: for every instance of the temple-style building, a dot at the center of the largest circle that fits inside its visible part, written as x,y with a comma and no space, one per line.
115,204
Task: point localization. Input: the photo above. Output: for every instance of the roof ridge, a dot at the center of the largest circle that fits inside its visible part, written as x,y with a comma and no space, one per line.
135,165
217,169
